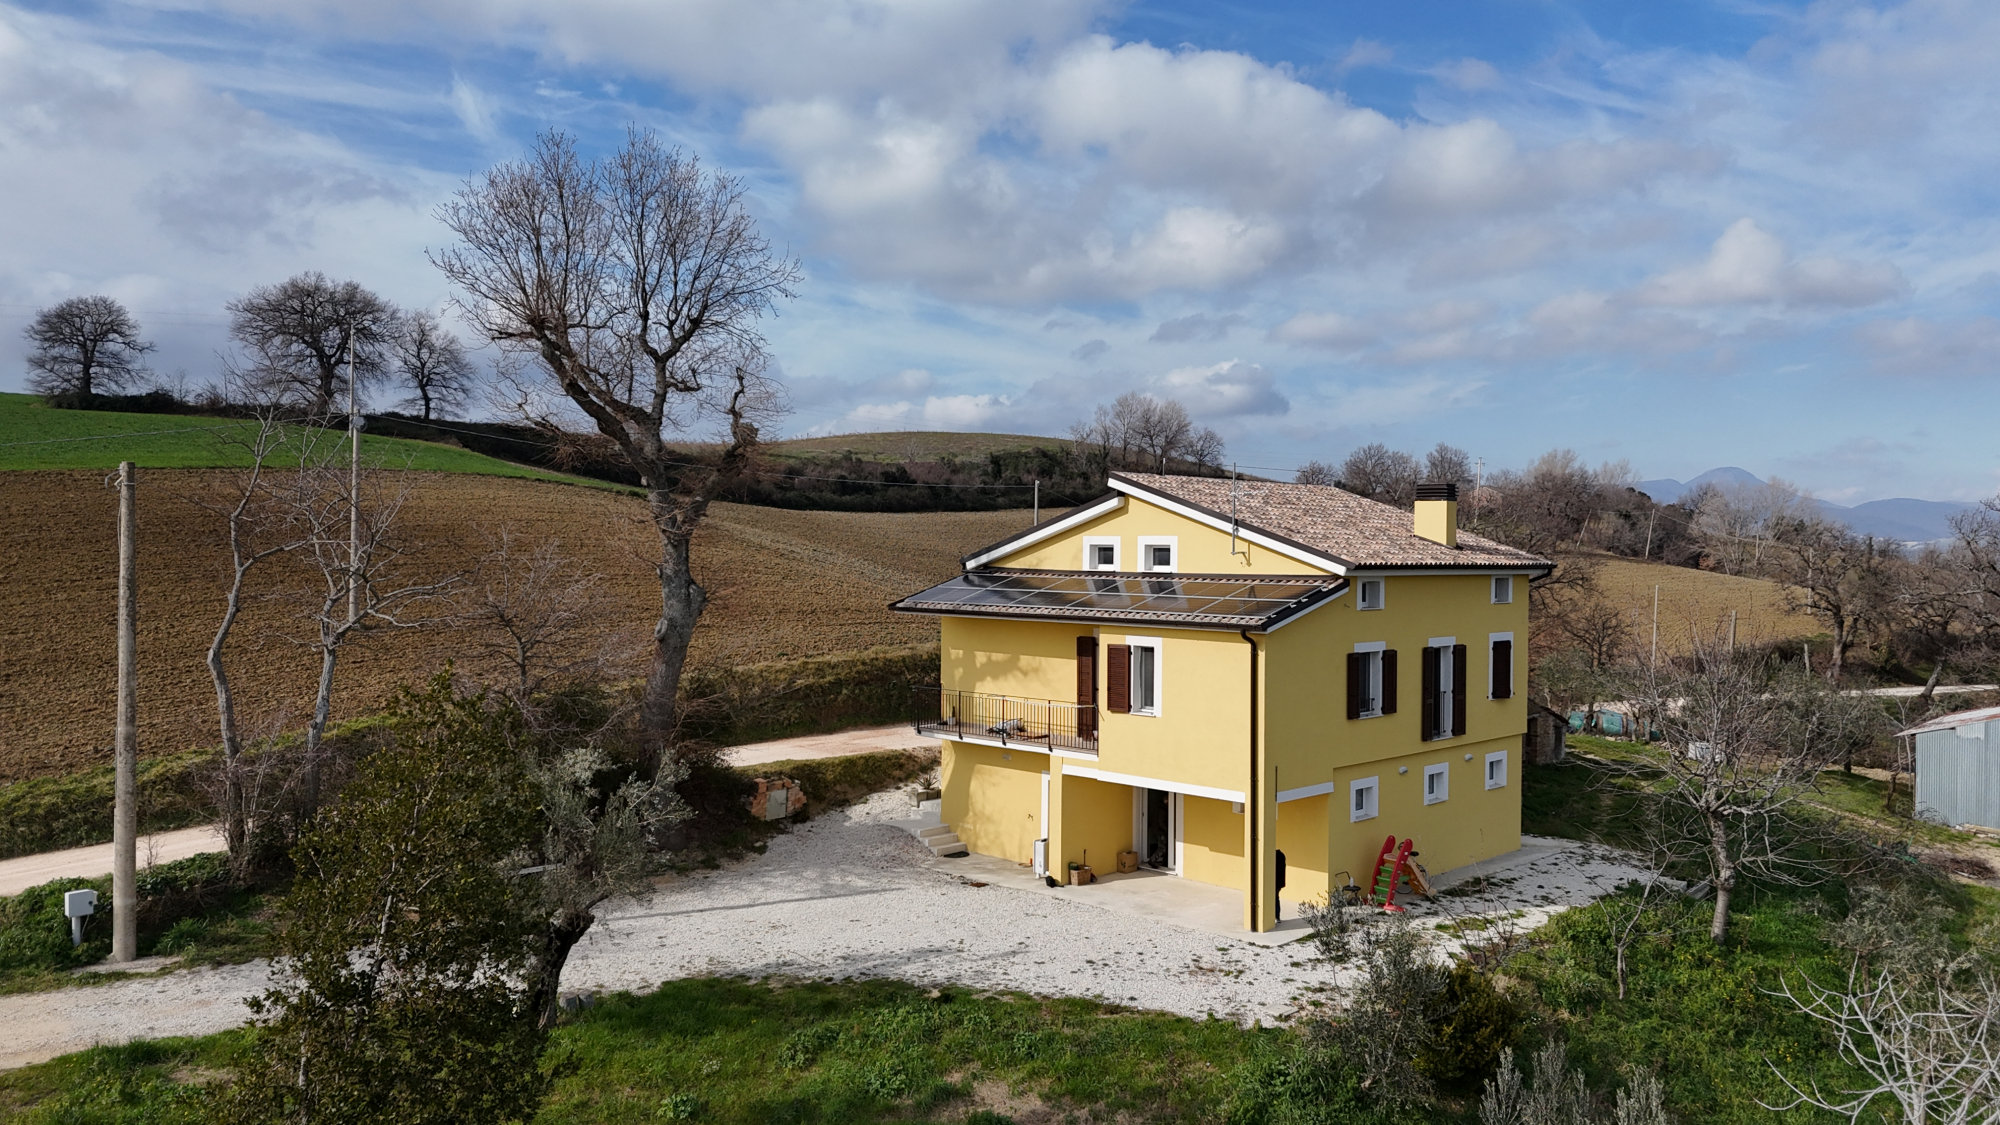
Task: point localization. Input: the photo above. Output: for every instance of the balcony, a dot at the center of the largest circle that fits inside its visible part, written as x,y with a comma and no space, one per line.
1006,720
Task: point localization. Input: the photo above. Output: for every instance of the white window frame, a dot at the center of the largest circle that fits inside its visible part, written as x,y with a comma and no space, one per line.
1371,805
1441,771
1173,545
1498,757
1361,593
1503,584
1159,676
1447,678
1373,676
1492,668
1090,545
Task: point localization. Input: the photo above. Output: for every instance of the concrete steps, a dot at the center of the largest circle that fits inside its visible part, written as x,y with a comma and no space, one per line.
941,840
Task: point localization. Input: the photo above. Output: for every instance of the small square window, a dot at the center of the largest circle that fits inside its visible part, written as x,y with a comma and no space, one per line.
1437,783
1503,589
1362,802
1496,770
1369,595
1100,553
1106,556
1159,558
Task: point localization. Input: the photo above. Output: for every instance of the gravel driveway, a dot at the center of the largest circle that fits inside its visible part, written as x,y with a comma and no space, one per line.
844,895
849,895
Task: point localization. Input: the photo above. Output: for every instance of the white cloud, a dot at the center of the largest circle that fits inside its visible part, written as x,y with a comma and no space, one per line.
1224,389
1748,266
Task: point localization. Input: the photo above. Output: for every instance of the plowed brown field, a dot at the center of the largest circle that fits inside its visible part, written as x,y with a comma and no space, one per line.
782,584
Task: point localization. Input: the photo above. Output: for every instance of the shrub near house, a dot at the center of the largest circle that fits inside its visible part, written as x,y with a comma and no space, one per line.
1209,672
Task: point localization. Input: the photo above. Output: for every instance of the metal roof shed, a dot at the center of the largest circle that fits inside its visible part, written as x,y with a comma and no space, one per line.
1958,767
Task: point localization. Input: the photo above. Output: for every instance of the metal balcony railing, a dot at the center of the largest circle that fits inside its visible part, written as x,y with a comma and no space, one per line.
1009,720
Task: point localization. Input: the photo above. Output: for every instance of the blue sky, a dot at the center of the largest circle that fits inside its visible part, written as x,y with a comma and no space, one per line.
1682,234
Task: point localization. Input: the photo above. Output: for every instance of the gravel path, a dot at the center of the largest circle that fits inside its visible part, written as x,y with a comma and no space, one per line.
850,895
22,872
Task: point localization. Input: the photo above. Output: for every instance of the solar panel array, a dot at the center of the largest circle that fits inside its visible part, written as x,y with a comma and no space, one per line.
1164,597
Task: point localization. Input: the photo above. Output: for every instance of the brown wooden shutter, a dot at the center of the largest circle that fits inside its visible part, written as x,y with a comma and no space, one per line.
1461,678
1086,687
1356,678
1503,669
1429,720
1389,682
1118,678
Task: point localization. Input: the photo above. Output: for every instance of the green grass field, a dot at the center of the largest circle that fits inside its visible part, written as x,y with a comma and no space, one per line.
35,436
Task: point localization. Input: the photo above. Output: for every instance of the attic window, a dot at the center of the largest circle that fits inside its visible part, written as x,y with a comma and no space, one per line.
1369,594
1100,553
1503,589
1157,554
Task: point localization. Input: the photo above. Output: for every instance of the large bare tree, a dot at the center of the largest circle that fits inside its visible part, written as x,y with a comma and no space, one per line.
84,346
637,284
1839,577
431,364
299,335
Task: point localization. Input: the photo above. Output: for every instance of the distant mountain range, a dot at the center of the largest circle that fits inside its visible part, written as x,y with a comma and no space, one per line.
1901,518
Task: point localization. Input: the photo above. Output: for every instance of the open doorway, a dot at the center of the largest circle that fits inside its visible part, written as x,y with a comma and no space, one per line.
1159,830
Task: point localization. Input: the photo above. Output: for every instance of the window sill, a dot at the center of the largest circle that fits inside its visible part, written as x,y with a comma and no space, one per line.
1359,819
1152,713
1435,800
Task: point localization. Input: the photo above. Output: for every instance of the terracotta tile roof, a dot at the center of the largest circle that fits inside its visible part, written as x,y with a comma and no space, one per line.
1332,521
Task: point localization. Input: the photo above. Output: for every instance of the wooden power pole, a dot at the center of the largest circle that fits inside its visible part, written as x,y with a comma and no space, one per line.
125,793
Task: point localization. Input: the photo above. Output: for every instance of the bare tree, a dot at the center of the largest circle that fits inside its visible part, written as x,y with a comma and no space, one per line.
528,608
1205,449
84,346
1448,464
254,509
296,337
1162,432
1833,574
347,533
1317,472
431,363
1381,473
1924,1047
638,283
1743,741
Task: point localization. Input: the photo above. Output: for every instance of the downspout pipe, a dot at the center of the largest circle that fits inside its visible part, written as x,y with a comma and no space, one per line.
1253,806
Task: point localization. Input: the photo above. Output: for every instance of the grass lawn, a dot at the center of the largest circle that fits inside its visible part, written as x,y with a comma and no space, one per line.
751,1052
36,436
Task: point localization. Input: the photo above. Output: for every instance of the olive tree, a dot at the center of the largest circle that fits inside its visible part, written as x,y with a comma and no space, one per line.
635,285
84,346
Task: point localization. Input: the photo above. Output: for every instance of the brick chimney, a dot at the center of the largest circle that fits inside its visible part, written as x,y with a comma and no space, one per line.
1437,513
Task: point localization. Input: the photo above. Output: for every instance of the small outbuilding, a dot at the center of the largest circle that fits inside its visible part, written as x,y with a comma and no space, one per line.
1958,767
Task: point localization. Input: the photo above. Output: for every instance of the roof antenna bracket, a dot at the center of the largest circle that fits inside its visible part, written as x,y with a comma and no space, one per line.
1233,552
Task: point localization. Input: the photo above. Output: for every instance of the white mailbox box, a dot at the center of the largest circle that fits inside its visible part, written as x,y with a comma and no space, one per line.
78,905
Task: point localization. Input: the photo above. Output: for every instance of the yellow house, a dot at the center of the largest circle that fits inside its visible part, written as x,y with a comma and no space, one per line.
1210,673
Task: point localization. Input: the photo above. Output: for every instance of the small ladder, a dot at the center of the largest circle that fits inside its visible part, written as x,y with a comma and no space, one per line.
1389,872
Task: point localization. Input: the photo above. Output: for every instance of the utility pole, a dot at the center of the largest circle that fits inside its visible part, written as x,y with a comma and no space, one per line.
1732,632
1478,482
1650,517
353,485
1656,628
125,788
1038,501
